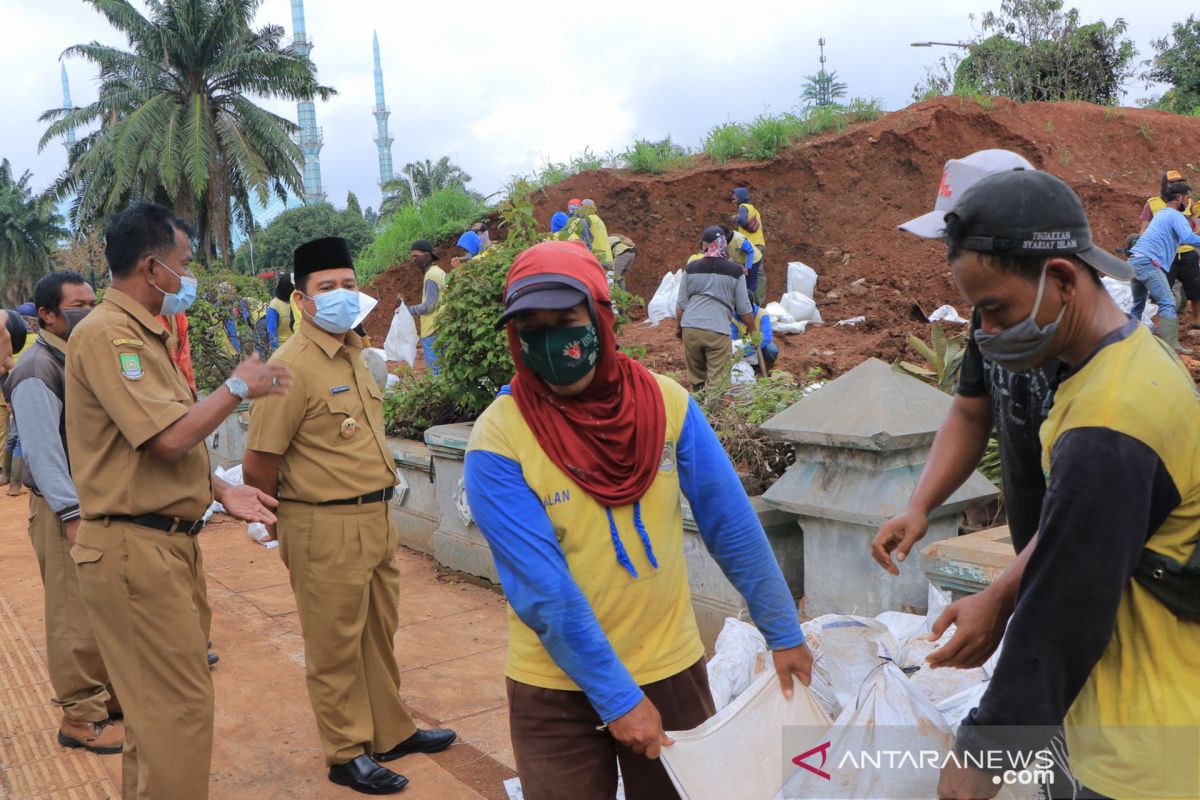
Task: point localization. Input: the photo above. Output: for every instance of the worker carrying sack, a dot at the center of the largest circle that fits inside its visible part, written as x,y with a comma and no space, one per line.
1175,585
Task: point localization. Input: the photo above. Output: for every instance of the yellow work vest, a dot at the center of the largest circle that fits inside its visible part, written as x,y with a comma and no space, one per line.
284,310
429,322
755,238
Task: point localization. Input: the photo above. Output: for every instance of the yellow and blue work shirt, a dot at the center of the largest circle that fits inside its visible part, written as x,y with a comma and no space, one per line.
578,618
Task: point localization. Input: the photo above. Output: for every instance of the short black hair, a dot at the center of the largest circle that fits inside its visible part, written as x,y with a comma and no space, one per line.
1027,266
48,293
140,229
1170,191
284,289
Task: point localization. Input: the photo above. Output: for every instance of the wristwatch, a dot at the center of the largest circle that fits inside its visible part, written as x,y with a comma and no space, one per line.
238,388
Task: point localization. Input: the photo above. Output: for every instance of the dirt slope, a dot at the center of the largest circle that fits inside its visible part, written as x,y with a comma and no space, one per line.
834,202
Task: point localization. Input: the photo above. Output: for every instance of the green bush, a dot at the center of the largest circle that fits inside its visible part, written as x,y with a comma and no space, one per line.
416,403
768,136
726,141
655,158
474,355
443,215
212,361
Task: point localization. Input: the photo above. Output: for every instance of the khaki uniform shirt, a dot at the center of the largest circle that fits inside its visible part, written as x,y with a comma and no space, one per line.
123,389
329,427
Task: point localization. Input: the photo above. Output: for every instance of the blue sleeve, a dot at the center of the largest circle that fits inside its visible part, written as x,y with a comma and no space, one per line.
231,332
743,216
764,327
538,583
1186,234
273,328
732,532
748,249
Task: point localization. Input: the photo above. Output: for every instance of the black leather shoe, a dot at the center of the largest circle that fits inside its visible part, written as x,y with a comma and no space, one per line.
365,776
434,740
213,658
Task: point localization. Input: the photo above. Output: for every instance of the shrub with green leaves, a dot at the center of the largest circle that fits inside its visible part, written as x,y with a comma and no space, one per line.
768,136
418,402
655,158
443,215
211,360
726,141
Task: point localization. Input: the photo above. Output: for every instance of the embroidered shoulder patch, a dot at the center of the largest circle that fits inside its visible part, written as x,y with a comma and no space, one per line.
131,366
667,463
128,343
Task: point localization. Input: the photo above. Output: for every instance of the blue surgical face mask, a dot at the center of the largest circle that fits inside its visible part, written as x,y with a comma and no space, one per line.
1021,346
181,300
336,310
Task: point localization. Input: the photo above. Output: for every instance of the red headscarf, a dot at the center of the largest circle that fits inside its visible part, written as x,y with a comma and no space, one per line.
609,438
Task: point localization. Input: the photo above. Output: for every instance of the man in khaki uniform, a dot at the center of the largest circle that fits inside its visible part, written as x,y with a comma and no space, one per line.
321,449
77,672
136,437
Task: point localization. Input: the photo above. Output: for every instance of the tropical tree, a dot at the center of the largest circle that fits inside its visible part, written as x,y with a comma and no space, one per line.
176,122
274,244
823,89
1177,62
419,180
30,227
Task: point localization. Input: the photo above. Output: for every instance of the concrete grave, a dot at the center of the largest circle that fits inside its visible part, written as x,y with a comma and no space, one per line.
861,442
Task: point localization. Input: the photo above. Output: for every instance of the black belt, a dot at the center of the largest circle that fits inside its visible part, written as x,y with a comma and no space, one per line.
383,495
191,527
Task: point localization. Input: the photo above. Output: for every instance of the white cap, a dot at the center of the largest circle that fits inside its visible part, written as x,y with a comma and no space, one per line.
958,175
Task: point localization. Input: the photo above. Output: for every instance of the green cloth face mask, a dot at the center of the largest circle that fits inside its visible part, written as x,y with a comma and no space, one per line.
560,356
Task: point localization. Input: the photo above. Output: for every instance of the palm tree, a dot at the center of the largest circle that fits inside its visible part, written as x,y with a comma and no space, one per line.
176,122
30,228
823,89
421,179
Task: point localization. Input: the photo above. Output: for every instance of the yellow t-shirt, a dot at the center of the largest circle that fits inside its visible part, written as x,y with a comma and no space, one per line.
648,619
1148,678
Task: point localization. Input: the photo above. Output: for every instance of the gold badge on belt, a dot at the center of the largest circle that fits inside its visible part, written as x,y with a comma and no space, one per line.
349,426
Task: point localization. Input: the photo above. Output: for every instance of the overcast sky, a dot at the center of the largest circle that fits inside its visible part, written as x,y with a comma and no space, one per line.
502,87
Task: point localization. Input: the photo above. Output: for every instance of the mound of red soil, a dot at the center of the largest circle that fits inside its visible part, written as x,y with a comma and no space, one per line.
834,202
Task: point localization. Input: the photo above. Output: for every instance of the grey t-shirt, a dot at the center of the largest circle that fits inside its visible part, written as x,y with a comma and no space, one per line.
713,290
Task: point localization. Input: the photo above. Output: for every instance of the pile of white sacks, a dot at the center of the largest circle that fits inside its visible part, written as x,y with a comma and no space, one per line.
790,314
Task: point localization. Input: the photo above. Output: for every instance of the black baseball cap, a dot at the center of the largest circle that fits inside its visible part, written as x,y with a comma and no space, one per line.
425,247
1031,213
542,292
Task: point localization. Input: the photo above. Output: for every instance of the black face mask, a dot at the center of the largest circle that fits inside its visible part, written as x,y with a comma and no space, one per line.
73,316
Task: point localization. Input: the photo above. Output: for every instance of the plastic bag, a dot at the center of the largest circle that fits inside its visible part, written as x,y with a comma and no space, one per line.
946,314
778,313
1122,295
789,327
739,753
801,307
401,342
731,670
850,322
366,304
801,278
664,301
741,372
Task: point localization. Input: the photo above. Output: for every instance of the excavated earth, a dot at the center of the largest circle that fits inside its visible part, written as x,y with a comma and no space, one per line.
834,202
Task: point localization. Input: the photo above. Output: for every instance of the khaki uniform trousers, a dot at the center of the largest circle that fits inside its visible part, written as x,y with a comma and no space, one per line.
77,671
145,593
342,567
708,356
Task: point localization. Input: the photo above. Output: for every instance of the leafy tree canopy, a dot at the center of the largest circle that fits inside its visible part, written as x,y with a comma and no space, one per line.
274,244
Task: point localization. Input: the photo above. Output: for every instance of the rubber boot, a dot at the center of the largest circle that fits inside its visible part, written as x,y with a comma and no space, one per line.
7,467
1168,331
14,481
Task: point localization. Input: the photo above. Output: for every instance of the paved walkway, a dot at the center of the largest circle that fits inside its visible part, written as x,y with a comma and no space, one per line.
450,648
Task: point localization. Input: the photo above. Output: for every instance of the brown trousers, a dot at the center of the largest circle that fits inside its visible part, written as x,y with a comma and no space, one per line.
146,596
561,755
77,671
341,562
708,355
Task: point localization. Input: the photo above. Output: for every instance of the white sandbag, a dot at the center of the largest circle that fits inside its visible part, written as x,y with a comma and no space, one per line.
777,313
801,278
788,327
888,715
849,649
946,314
849,322
1122,295
956,707
401,342
739,753
731,670
741,373
665,299
801,306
